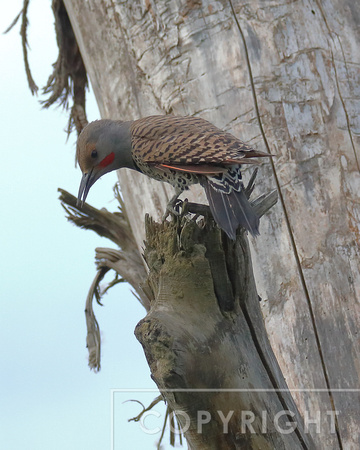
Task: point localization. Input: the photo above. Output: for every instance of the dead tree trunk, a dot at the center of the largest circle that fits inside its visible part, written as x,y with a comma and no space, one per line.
284,77
206,344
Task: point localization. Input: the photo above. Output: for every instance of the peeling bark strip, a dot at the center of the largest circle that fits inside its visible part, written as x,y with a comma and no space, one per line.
191,342
164,57
68,80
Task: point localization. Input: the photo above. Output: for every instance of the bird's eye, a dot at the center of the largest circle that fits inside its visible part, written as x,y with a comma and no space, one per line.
94,154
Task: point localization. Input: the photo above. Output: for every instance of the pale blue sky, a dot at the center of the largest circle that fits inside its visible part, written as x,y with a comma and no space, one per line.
49,397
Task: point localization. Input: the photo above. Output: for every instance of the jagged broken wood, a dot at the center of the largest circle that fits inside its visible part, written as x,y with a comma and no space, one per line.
205,330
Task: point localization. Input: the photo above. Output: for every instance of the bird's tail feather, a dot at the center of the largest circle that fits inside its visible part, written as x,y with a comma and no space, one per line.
231,211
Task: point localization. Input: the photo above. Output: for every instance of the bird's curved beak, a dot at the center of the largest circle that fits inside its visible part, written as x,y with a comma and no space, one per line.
87,180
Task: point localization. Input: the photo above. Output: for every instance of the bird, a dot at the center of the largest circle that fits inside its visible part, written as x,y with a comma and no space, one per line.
180,150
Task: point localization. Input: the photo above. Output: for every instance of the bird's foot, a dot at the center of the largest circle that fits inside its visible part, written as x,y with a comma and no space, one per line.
180,208
197,209
173,207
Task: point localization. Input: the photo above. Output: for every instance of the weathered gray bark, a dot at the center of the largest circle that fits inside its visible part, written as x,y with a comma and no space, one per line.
284,77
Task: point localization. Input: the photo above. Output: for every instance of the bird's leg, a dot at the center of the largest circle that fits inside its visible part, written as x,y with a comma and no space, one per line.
172,206
197,209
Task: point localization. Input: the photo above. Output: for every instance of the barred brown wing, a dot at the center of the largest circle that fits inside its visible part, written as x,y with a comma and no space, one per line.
186,140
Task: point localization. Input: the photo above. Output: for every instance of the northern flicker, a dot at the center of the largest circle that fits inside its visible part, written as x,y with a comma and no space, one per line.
179,150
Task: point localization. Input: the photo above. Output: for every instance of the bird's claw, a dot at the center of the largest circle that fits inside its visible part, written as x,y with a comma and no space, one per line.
173,207
179,208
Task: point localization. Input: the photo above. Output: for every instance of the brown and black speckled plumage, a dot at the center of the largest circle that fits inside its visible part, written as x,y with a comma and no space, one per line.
179,150
185,140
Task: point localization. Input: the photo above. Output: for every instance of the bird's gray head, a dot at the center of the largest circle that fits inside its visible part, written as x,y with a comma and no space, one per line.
103,146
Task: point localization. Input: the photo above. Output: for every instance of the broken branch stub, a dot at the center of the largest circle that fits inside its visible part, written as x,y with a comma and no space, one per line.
205,353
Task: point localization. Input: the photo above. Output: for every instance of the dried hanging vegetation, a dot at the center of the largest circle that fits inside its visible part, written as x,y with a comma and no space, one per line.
68,82
126,261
